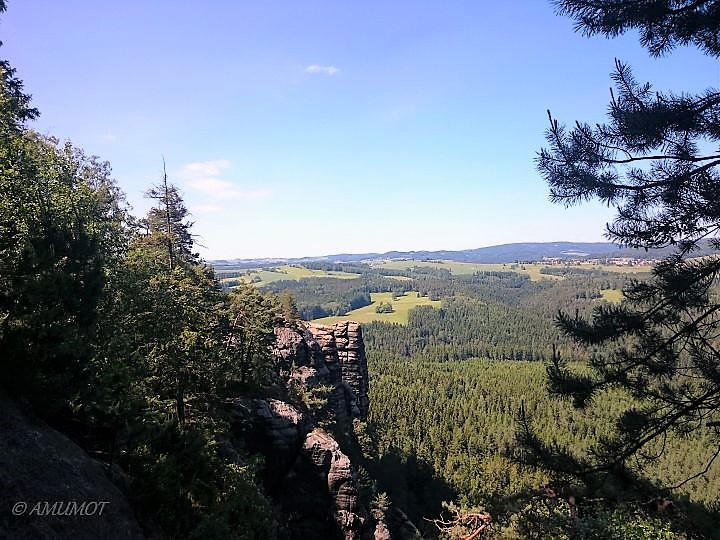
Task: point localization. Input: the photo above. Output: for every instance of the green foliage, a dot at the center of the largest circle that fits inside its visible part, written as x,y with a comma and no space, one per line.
166,226
650,161
364,438
123,334
491,316
191,493
251,315
446,431
15,108
379,506
326,296
563,521
169,347
313,401
288,307
60,228
384,307
662,25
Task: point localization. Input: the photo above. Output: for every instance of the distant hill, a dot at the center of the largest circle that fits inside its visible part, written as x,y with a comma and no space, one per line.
504,253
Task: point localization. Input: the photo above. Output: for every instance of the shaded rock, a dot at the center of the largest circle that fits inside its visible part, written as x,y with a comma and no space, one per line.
308,377
272,427
322,479
283,424
289,349
400,525
312,481
40,465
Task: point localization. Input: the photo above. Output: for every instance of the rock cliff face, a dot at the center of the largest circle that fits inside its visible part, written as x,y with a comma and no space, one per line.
312,481
46,471
316,354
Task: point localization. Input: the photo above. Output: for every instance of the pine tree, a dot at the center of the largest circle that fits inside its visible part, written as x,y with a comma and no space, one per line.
650,161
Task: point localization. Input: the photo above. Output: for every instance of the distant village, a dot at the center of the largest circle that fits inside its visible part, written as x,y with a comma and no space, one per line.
612,261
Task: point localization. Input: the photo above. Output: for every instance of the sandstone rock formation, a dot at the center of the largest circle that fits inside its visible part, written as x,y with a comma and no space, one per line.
315,354
310,478
319,495
40,465
381,531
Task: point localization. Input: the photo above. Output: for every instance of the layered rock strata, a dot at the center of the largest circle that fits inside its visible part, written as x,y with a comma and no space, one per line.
311,479
315,354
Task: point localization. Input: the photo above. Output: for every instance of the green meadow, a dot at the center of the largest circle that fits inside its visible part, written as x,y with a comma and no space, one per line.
285,272
401,306
531,270
612,295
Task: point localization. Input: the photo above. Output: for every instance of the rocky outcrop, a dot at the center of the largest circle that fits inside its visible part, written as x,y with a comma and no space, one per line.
320,495
270,427
52,476
342,348
316,354
312,481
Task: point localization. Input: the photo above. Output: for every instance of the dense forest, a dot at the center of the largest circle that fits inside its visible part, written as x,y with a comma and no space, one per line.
446,431
488,314
448,386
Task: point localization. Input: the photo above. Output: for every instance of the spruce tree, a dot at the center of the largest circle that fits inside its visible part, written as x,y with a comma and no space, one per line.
167,225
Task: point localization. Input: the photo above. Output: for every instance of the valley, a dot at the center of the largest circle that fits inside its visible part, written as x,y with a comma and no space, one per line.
172,348
464,347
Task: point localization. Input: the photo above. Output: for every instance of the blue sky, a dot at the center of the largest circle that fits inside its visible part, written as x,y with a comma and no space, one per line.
310,128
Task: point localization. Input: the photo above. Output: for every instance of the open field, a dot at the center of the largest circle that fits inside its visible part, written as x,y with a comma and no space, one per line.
532,270
461,268
612,295
401,306
284,272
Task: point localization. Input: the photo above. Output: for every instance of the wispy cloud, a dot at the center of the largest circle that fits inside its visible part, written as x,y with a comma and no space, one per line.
324,70
206,177
109,138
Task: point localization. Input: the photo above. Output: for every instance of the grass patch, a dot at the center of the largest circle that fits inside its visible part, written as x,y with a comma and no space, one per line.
286,272
461,268
612,295
402,307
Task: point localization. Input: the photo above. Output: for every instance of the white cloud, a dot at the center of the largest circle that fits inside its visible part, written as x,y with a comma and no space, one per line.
326,70
205,168
109,138
205,177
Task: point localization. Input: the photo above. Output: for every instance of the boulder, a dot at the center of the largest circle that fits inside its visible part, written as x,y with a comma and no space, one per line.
44,470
